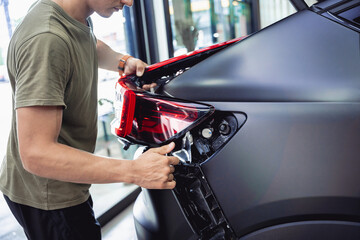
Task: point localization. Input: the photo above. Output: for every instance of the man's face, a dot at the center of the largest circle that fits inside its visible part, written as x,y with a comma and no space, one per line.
106,8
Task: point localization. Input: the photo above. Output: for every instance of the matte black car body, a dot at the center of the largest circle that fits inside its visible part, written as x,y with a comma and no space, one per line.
289,167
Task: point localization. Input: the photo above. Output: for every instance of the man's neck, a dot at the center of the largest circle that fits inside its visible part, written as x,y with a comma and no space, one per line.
77,9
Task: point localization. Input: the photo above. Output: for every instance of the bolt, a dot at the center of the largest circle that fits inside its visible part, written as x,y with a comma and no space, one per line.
207,133
224,128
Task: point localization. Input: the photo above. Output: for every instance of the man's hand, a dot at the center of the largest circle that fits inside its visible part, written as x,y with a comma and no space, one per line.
134,65
154,170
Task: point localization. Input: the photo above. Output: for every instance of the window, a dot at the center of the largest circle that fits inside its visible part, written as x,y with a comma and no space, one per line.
200,23
272,11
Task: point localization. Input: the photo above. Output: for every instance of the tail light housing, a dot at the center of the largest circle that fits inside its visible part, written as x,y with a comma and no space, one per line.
153,119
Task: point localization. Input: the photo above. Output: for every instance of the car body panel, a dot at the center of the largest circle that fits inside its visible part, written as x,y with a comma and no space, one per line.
157,216
289,161
284,62
329,230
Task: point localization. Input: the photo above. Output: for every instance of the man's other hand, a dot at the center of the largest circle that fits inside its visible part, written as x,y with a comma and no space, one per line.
154,170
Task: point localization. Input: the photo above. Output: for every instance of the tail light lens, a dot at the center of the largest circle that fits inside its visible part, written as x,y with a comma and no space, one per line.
153,119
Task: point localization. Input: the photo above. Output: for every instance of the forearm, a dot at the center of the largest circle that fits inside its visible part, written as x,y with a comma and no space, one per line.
107,58
42,155
61,162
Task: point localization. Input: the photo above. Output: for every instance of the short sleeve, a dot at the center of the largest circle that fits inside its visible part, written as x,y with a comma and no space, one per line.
43,70
91,25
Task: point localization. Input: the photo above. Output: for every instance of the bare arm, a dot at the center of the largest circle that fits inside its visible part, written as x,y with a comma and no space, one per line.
41,154
108,59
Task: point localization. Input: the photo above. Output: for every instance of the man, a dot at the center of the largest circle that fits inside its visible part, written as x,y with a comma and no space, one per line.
52,63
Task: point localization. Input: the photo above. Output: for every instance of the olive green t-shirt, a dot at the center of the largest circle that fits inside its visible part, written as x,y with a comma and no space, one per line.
51,61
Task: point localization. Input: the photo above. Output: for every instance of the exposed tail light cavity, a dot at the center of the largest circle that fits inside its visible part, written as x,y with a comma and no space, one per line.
152,119
193,192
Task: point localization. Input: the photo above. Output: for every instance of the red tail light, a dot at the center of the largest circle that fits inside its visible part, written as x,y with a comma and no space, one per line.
153,119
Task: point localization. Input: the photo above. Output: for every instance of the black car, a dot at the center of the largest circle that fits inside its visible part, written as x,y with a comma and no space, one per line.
267,129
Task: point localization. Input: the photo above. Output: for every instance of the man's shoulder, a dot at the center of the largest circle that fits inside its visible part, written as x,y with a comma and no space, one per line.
38,41
41,21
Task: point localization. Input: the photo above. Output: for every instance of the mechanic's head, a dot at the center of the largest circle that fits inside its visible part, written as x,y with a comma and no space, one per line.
106,8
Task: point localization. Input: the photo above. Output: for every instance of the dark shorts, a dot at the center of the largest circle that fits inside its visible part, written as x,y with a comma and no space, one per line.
73,223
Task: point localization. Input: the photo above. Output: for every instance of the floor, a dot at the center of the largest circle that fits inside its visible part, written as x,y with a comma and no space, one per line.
10,229
121,228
